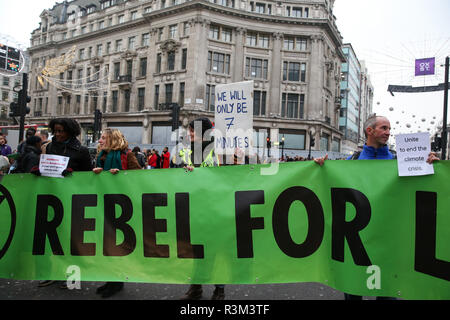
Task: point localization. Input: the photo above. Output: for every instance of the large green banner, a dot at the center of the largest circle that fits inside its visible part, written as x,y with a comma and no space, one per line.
352,225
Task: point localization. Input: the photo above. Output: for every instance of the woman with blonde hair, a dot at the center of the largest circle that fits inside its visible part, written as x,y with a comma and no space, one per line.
113,156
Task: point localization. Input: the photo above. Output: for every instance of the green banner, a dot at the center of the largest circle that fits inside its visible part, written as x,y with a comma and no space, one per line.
352,225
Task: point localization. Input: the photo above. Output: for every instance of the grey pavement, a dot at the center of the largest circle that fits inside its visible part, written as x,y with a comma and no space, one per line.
29,290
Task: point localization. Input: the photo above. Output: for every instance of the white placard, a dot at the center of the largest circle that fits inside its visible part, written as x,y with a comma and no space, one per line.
52,165
233,117
412,153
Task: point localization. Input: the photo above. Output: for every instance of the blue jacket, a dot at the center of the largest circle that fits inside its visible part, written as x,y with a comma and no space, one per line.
370,153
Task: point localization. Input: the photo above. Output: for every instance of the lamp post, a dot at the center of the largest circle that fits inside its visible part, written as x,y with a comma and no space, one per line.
282,148
311,143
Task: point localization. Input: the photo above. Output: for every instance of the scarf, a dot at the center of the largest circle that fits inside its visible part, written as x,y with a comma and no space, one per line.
112,161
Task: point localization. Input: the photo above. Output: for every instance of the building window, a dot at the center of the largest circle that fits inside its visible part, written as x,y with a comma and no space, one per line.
169,92
118,45
295,43
181,95
184,59
146,39
218,62
186,28
156,98
172,31
134,15
126,98
158,63
294,71
171,61
259,103
251,39
121,18
292,105
210,97
99,50
81,54
257,40
214,32
131,43
115,100
141,99
336,145
143,67
116,70
324,142
256,68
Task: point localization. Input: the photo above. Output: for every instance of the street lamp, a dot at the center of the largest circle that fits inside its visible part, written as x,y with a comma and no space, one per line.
282,148
311,143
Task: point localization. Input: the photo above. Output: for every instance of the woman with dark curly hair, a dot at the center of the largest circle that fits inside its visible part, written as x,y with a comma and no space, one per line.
65,143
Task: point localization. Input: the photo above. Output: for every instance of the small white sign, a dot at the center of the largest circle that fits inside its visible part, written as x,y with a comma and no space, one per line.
412,153
234,117
52,165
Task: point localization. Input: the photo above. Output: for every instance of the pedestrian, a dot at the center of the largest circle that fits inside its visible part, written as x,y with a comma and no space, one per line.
165,158
65,143
139,156
114,157
189,161
5,150
153,160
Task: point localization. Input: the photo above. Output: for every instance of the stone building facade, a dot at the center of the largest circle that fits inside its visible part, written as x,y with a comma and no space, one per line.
133,58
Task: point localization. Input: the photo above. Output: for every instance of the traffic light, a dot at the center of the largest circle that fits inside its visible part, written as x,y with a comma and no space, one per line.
24,99
269,144
175,114
436,145
14,110
313,142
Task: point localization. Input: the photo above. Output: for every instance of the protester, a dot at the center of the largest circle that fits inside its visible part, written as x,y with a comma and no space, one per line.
65,143
189,161
43,134
165,158
377,133
113,156
153,160
5,150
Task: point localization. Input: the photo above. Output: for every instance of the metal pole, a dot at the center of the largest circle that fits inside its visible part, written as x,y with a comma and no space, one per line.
444,121
23,105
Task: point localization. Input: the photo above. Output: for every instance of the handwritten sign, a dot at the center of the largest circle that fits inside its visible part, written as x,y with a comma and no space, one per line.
52,166
233,117
412,153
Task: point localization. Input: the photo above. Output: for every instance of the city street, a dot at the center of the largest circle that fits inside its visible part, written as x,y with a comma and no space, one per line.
29,290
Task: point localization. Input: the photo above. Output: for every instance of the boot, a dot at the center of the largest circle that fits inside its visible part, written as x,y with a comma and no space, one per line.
218,294
194,293
109,289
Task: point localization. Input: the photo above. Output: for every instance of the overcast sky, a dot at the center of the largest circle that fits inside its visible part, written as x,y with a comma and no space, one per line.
388,34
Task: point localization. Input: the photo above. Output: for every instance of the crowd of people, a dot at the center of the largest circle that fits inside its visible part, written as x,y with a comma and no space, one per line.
114,155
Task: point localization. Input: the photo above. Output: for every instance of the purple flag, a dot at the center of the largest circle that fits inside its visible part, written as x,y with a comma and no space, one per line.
425,67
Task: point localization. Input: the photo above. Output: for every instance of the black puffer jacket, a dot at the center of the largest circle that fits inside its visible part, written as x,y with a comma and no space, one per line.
30,158
80,159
